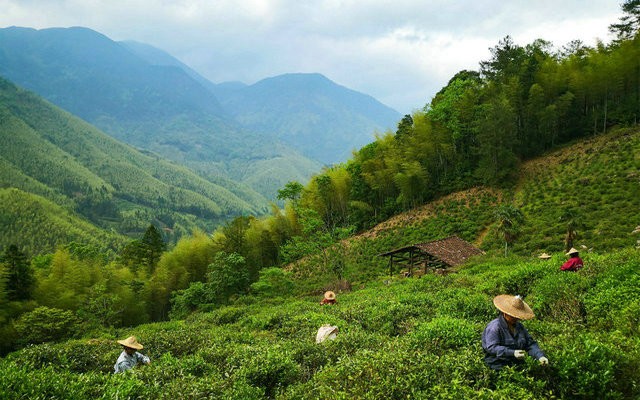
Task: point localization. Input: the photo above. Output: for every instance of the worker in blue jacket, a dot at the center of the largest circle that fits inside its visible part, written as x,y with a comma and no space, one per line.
505,340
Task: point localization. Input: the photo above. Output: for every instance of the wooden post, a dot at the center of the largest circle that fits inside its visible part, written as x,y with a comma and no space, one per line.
411,262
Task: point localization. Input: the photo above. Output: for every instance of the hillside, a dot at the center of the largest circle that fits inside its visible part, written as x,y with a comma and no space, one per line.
410,338
399,337
53,155
39,225
158,108
594,182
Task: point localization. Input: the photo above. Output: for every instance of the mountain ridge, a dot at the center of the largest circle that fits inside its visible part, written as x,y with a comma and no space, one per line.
154,107
52,154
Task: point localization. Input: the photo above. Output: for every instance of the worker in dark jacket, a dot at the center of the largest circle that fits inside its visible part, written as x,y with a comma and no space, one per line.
505,340
574,263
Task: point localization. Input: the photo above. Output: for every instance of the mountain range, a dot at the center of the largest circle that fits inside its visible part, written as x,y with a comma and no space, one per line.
63,180
145,97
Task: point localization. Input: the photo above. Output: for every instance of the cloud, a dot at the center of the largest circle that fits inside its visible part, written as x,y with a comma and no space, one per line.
400,52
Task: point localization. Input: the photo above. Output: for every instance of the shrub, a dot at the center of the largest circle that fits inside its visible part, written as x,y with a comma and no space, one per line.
614,303
592,367
75,356
46,324
273,283
221,316
272,370
465,303
445,333
559,297
522,278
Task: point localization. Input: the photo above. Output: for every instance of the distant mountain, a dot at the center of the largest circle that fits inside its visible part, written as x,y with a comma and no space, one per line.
323,120
316,116
155,56
155,106
61,174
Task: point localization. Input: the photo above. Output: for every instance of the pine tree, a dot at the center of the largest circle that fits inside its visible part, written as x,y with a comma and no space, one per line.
19,274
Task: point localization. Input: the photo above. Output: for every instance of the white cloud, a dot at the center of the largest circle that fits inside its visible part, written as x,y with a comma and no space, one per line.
401,52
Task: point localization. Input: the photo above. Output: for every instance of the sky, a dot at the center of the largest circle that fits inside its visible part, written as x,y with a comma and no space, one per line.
401,52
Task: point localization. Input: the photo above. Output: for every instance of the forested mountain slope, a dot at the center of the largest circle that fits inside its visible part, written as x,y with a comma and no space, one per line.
399,337
49,153
158,108
590,187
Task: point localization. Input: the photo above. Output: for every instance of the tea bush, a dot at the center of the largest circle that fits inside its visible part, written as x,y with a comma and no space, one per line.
272,370
75,355
404,338
445,333
591,366
559,296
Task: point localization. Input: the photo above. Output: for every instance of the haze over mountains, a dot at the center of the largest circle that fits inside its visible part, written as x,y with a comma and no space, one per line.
262,135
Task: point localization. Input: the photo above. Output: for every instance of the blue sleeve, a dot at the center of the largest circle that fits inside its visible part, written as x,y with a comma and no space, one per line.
532,346
491,342
142,358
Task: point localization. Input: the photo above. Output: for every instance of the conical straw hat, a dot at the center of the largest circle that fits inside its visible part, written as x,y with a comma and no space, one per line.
329,295
570,252
544,256
514,306
132,342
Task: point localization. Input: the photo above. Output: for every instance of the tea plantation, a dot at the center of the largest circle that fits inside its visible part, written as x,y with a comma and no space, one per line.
403,337
399,338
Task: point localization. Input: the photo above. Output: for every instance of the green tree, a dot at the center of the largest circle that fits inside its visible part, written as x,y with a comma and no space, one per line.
154,246
46,324
291,191
228,276
506,61
102,307
405,127
20,279
508,224
629,24
497,140
146,251
571,220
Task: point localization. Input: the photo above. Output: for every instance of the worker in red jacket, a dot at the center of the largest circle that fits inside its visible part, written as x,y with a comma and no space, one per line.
574,262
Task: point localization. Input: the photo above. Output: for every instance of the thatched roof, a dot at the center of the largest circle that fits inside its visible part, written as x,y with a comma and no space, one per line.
451,251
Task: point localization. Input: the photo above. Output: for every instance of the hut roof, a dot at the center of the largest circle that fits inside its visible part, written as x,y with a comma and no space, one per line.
451,250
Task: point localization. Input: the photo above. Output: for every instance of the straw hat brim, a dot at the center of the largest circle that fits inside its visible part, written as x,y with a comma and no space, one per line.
131,343
515,307
544,256
329,295
572,251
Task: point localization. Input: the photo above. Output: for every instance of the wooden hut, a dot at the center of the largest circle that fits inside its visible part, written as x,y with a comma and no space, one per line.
439,254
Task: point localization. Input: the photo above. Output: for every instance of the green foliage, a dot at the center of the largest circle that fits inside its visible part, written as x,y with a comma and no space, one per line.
273,283
416,338
508,221
291,191
46,324
53,158
445,333
146,251
18,274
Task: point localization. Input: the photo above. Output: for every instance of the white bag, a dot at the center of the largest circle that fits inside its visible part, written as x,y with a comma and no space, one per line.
326,332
